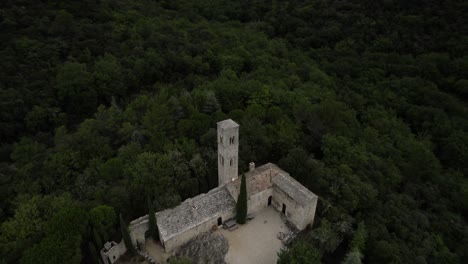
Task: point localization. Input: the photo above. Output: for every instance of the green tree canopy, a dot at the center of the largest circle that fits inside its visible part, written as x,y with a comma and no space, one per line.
299,253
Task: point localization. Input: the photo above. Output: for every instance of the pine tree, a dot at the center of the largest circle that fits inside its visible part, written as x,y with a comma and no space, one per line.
241,206
153,228
359,238
126,237
353,257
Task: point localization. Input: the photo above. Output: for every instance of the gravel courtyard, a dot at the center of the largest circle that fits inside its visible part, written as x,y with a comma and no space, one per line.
256,242
156,251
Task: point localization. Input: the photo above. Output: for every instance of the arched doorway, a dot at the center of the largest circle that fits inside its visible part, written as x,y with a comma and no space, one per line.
220,221
284,209
269,200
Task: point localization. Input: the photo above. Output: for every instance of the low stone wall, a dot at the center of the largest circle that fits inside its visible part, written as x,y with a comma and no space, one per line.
138,228
115,251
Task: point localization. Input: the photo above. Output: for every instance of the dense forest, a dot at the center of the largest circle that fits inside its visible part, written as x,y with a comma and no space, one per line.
105,103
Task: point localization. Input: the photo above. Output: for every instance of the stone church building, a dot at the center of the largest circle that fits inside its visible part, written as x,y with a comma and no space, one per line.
267,185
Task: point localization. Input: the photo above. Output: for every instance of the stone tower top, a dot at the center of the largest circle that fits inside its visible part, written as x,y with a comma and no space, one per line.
228,151
228,123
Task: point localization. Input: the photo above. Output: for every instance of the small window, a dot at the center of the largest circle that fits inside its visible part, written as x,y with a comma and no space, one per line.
221,139
231,162
222,160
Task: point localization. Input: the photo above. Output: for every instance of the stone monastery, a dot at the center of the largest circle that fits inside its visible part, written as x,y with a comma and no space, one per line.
267,185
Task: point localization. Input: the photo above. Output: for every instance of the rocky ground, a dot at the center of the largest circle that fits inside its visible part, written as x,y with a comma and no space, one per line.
207,248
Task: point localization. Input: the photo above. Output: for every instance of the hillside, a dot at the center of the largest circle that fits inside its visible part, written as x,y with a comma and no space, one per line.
106,103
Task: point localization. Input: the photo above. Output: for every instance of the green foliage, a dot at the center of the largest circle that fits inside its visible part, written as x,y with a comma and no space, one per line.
103,219
63,24
62,239
74,88
363,103
353,257
357,245
27,151
48,229
93,252
126,237
54,249
300,252
35,219
107,77
241,206
326,237
97,239
153,229
359,238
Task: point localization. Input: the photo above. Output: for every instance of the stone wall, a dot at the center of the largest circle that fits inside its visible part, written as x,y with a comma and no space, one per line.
137,229
309,212
112,255
257,182
258,201
294,212
179,240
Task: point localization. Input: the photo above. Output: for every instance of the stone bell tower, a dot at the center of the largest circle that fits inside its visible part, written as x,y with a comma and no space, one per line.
228,151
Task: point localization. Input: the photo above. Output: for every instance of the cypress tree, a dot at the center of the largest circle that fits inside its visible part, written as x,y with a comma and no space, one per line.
126,237
93,251
97,239
153,228
241,206
104,235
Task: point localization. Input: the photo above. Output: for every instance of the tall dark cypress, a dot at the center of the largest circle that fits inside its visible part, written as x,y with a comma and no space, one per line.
241,206
153,228
93,252
126,237
97,239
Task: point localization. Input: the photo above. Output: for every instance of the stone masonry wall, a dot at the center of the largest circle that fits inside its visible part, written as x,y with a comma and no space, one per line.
309,213
234,187
182,238
258,201
111,256
294,212
138,228
228,149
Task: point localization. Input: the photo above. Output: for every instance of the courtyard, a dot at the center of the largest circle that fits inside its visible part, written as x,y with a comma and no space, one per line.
256,241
